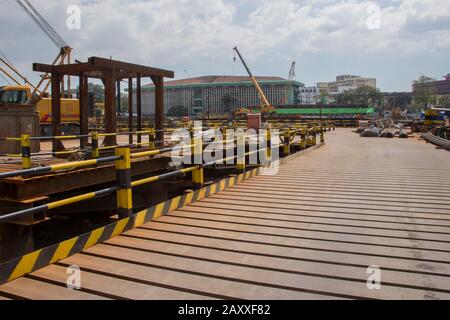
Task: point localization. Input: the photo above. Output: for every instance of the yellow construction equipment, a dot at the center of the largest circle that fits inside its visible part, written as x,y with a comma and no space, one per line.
266,107
21,91
21,94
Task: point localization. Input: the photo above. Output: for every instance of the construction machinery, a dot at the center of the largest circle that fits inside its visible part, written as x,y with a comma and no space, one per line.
266,107
21,91
292,71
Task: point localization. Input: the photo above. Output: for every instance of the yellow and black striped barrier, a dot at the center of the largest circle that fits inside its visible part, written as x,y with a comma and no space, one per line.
41,258
123,174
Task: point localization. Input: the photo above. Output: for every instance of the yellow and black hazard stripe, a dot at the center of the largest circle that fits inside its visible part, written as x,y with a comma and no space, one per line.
43,257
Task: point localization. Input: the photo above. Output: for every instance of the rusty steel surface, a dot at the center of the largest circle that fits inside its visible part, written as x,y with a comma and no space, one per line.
309,232
24,189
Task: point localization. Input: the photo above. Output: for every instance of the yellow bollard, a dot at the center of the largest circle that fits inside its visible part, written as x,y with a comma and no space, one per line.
314,136
124,194
94,143
25,147
303,142
151,139
197,150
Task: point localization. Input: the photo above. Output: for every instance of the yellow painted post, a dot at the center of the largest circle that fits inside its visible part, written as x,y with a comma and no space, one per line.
151,139
197,150
269,145
198,178
287,142
25,148
303,138
123,173
94,143
322,135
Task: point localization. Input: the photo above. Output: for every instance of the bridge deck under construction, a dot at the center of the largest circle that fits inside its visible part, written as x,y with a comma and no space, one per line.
308,232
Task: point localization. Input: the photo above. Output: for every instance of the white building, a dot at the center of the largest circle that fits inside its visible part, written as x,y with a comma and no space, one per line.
309,95
346,82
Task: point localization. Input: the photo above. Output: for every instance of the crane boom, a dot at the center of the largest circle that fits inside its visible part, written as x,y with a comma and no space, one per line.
64,53
264,102
292,71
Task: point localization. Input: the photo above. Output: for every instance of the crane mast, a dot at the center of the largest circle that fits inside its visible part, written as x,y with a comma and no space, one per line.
264,102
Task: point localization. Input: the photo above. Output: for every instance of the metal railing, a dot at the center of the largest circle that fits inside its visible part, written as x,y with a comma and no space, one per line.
123,161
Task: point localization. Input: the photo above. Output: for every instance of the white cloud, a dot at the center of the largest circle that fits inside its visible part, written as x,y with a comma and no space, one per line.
201,33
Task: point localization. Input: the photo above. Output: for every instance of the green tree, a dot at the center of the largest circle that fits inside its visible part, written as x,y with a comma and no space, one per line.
424,93
367,96
124,102
98,90
444,101
177,111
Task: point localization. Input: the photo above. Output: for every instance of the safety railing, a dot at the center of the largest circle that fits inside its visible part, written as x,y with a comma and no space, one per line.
95,150
123,161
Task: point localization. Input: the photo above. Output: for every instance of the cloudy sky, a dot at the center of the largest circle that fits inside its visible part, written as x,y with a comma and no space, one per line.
392,40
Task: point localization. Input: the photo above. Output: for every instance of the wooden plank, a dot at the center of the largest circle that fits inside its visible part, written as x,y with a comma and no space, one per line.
242,199
321,234
114,286
324,218
263,277
319,228
333,194
178,247
33,289
210,286
330,208
391,257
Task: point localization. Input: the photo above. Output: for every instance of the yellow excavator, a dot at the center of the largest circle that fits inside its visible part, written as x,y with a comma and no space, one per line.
266,107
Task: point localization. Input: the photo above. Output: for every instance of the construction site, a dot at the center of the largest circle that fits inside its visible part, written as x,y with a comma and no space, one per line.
255,198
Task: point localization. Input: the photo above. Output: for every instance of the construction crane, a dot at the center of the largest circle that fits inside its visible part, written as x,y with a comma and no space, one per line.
21,91
8,71
292,71
291,77
64,49
265,105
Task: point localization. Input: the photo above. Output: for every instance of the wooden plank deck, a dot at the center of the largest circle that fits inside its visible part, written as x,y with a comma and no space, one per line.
309,232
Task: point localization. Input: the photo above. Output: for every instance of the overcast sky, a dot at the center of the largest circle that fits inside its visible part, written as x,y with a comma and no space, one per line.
396,44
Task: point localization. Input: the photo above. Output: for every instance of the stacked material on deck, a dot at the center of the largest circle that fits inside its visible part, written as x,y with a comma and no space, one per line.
441,142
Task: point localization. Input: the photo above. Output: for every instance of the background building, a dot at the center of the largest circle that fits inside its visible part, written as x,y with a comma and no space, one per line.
440,87
309,95
393,100
345,83
220,94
